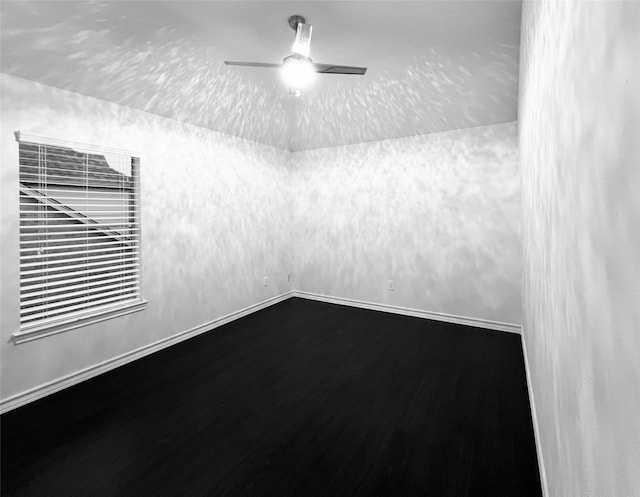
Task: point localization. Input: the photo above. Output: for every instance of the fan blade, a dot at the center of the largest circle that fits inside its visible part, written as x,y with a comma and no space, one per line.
335,69
320,68
250,64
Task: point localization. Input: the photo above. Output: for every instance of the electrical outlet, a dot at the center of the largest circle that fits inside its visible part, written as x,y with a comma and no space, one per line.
391,286
265,281
289,277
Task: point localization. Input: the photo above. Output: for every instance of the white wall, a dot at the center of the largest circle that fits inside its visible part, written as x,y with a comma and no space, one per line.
580,158
438,214
213,224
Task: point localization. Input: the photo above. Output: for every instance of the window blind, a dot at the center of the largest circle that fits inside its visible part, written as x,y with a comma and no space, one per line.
79,232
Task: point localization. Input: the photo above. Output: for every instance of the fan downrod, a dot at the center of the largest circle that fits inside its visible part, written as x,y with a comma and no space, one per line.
294,20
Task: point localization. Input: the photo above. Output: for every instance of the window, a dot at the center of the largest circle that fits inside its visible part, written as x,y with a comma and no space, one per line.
79,235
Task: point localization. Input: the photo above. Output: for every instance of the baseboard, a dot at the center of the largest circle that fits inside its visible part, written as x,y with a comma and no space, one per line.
534,419
48,388
418,313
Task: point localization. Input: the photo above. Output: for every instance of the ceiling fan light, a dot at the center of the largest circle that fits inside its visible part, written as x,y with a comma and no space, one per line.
298,72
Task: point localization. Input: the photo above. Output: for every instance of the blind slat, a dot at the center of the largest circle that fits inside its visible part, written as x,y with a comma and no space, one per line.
80,250
27,214
31,179
78,314
55,288
103,193
53,298
34,169
57,312
124,245
66,268
81,202
63,259
70,302
72,276
122,233
97,243
93,226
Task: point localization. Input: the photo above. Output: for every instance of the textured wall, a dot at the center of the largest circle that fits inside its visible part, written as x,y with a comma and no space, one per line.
580,149
439,214
213,223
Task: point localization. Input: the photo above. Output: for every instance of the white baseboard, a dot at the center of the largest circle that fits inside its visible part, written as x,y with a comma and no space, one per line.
534,418
84,374
406,311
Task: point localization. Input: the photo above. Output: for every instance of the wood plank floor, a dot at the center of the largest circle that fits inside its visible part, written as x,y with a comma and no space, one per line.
300,399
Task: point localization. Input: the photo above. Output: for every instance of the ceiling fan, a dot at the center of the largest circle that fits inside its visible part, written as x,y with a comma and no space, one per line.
298,69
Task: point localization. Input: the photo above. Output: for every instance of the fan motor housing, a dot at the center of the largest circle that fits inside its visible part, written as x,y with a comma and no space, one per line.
294,20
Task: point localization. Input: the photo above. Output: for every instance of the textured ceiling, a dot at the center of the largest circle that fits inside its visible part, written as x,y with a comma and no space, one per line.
433,65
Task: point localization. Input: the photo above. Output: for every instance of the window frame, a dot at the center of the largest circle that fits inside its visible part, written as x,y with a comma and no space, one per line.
83,317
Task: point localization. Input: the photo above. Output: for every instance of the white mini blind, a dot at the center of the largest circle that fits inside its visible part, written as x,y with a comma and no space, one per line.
79,232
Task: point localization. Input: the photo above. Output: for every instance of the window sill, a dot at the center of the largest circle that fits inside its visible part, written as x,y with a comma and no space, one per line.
28,334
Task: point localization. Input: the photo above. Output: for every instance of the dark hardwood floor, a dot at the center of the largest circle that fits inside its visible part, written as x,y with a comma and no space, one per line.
300,399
